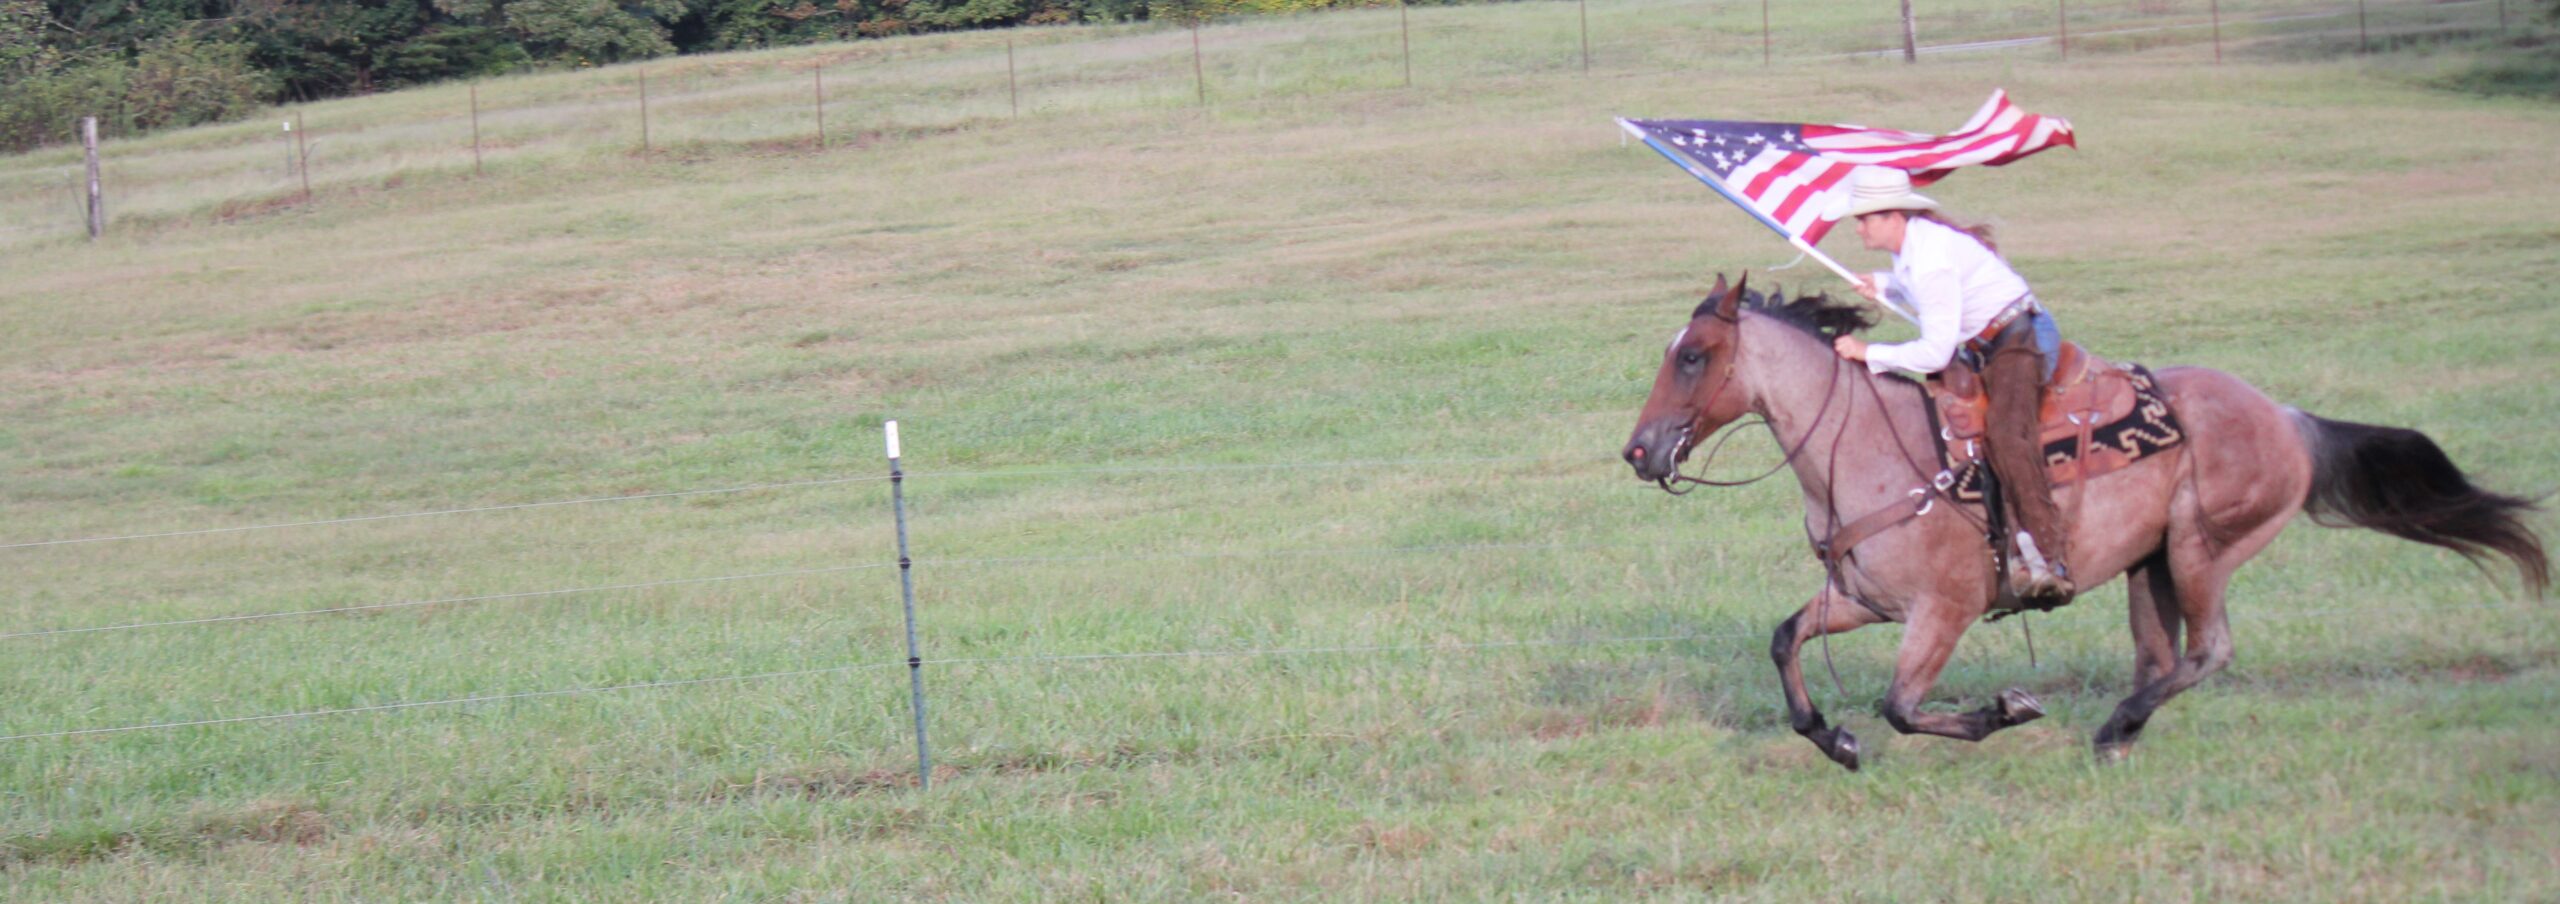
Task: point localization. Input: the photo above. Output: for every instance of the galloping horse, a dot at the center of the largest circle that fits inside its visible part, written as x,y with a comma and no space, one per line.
2177,523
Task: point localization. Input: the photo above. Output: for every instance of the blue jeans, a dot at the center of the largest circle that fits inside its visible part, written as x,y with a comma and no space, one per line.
2048,343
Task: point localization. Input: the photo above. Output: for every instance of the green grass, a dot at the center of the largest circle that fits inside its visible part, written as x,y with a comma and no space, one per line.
1311,272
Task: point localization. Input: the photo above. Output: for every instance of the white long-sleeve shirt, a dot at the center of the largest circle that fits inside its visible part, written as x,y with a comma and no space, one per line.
1954,284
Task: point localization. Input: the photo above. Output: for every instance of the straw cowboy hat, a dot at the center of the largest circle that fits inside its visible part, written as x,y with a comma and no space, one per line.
1874,189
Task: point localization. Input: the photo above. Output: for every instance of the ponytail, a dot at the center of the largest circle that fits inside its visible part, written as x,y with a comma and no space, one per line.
1981,232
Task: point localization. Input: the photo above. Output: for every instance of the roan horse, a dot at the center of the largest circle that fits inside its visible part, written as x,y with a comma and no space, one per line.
2177,523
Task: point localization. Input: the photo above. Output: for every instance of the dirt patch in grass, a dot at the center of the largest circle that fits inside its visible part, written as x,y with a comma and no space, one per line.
271,822
240,209
1721,877
1582,699
1397,841
1788,754
1648,711
827,783
2446,667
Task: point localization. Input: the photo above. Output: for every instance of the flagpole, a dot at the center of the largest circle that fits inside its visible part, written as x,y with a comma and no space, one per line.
1688,166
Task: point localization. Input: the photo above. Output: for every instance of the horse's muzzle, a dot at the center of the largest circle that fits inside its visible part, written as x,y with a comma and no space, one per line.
1657,448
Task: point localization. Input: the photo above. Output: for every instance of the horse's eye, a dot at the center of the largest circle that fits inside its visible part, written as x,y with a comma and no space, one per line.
1691,358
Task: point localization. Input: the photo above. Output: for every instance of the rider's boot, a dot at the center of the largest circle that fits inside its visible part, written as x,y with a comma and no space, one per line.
2038,581
2014,381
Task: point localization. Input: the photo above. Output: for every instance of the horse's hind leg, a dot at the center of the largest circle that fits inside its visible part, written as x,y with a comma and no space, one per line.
2154,619
2152,608
1926,645
2199,572
1828,613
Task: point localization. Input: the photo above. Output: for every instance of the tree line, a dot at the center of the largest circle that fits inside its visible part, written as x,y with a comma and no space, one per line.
140,65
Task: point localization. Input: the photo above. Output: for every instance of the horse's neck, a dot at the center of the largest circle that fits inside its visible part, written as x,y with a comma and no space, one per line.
1839,421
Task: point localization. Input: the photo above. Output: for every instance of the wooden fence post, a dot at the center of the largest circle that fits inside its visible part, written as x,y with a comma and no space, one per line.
1910,35
1012,83
1585,7
475,128
2062,21
2217,31
818,98
1404,23
644,111
97,192
302,148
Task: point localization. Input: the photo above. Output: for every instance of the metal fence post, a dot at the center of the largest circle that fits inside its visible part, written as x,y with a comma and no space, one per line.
907,589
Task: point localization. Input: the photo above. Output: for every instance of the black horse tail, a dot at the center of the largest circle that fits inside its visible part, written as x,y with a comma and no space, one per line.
2400,483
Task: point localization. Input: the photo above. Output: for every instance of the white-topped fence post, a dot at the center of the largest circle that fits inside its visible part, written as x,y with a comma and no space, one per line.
907,589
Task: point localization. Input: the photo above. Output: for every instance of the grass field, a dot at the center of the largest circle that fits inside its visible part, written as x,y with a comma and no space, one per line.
1333,369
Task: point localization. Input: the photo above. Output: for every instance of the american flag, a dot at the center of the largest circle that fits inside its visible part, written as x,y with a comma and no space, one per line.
1792,173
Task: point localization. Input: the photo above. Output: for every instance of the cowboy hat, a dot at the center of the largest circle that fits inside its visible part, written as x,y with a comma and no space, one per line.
1874,189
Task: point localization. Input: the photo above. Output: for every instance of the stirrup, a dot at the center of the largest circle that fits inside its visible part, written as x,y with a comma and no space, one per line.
2038,581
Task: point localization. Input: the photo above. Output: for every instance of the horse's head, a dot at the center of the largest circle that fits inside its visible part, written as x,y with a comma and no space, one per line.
1693,394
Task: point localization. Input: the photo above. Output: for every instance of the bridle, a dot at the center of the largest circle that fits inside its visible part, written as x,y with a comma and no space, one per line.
1733,361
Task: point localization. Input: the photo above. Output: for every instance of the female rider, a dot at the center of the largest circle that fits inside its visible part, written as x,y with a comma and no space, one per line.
1969,302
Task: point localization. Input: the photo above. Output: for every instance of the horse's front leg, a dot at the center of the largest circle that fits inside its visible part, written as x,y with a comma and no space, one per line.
1830,612
1927,642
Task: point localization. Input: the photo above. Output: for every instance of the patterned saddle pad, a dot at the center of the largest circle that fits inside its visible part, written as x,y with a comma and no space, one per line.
2118,407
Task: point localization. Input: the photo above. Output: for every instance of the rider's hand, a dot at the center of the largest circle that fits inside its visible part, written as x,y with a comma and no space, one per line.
1850,347
1867,289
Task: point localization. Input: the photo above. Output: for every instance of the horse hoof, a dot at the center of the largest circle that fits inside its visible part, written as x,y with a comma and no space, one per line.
1843,750
2018,707
2111,754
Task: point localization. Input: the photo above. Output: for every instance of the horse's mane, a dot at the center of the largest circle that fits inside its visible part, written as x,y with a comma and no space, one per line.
1814,314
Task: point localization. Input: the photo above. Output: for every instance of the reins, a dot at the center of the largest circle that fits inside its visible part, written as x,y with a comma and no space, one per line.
1930,491
1830,564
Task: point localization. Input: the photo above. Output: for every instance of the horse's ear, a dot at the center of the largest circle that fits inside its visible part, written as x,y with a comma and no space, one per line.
1731,306
1718,291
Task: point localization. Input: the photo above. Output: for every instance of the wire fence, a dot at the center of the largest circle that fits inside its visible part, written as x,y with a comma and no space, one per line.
1092,559
915,663
822,482
855,96
1033,659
